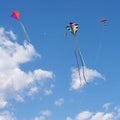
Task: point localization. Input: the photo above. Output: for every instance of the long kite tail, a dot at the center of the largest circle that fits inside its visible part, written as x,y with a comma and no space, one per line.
26,34
78,66
105,27
82,59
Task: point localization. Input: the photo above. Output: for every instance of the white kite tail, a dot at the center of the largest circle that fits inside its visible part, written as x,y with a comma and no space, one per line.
24,30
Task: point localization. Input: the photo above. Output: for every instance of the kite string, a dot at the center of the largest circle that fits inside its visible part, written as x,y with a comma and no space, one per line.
23,27
82,60
78,65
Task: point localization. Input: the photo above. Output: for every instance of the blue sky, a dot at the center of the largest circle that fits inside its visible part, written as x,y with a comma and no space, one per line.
39,80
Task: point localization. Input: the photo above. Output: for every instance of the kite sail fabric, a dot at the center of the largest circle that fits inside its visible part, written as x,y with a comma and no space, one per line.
16,15
72,27
104,20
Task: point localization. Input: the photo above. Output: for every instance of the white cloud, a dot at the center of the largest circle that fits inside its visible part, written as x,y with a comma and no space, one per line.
106,106
102,116
6,115
68,118
3,103
89,74
33,90
45,112
42,74
59,102
19,98
99,115
12,35
117,114
87,115
40,118
13,80
48,92
83,115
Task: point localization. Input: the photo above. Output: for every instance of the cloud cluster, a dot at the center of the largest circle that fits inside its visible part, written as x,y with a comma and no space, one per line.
7,116
59,102
90,75
87,115
106,106
44,114
100,115
13,80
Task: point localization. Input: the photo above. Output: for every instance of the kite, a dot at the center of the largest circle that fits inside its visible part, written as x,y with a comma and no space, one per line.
16,15
66,35
104,20
72,27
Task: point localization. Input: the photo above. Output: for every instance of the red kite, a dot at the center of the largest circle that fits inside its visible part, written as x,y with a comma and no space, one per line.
16,15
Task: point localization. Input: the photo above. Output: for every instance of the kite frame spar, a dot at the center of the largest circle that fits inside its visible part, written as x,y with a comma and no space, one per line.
72,27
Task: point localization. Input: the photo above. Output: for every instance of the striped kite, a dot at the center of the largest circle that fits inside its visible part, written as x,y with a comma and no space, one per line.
16,15
72,27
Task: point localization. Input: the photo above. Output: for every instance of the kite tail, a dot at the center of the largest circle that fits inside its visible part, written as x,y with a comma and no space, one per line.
26,34
82,60
104,27
84,72
78,66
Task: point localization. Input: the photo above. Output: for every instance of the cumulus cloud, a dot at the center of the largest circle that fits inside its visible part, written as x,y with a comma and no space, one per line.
11,34
6,115
99,115
106,106
102,116
87,115
83,115
117,114
44,114
40,118
3,102
13,80
33,90
68,118
48,92
90,75
59,102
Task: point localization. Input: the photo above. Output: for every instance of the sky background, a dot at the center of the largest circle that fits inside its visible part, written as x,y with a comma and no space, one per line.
39,80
